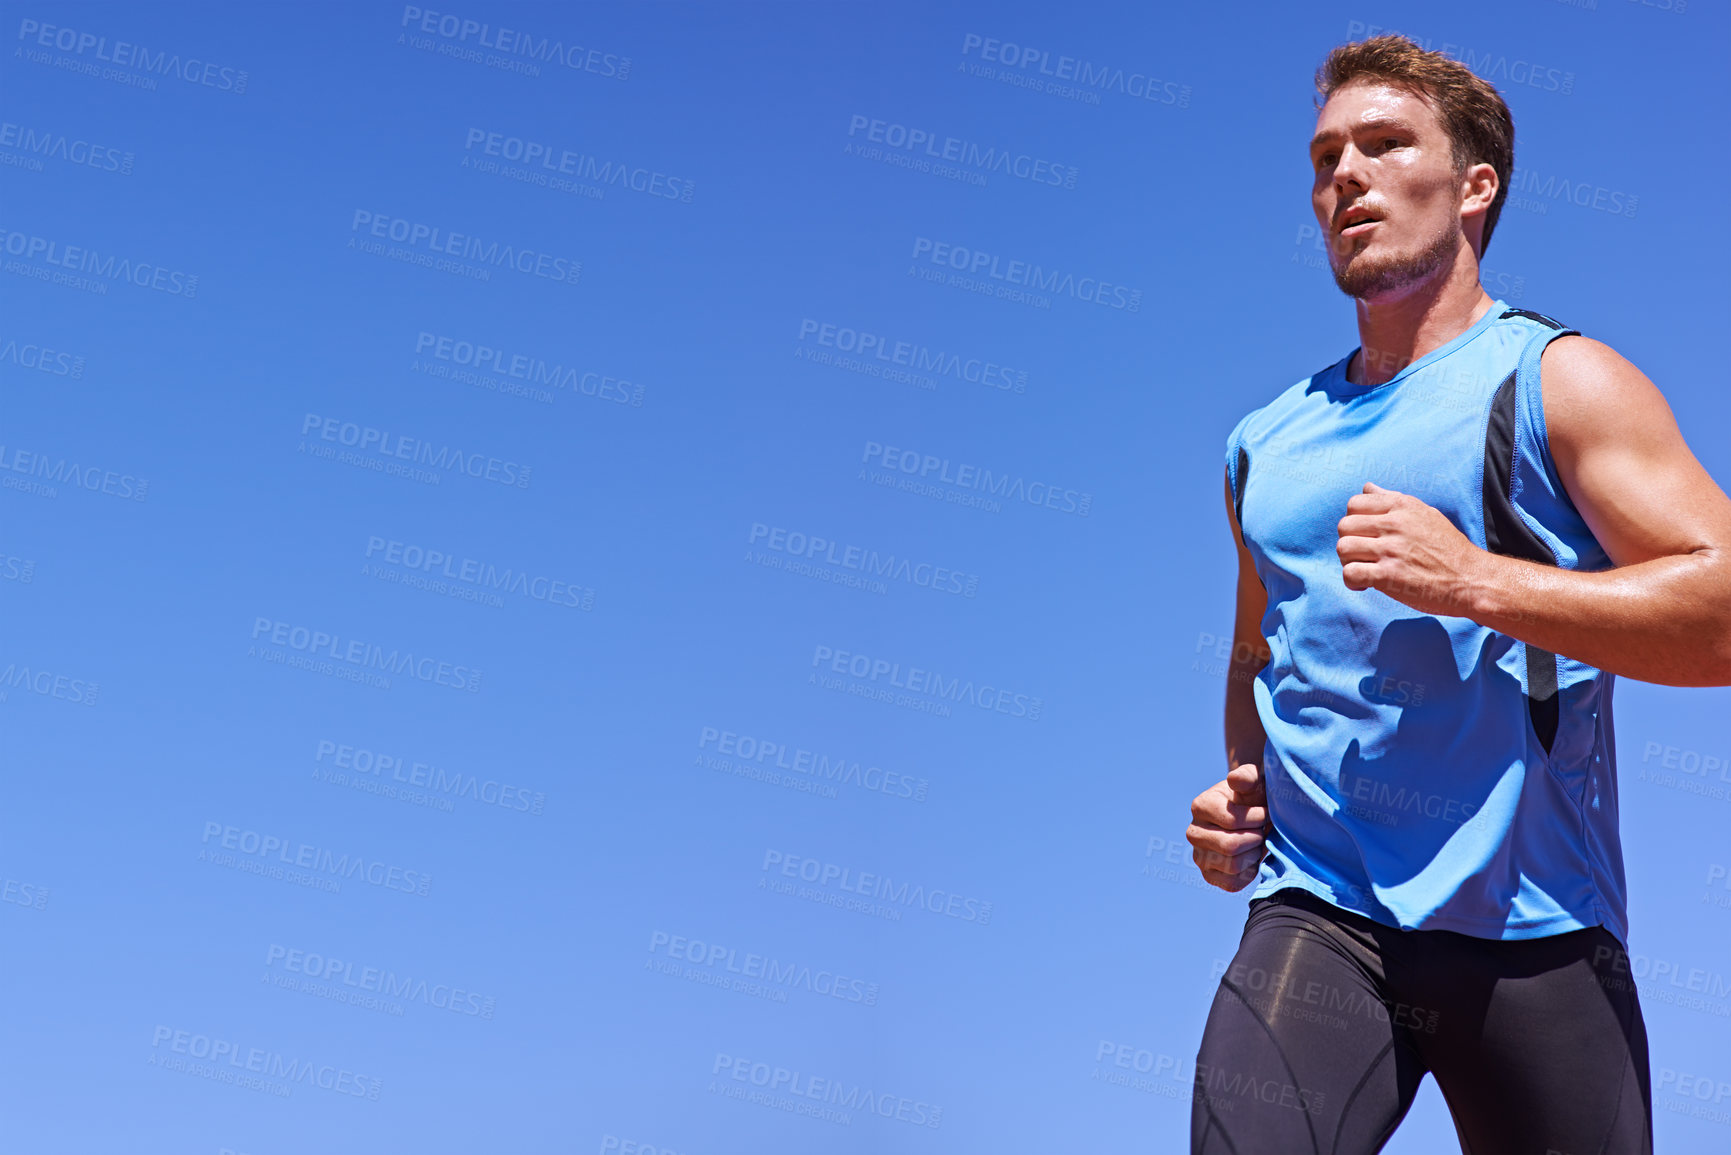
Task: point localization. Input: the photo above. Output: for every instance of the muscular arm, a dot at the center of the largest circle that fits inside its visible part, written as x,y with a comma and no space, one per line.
1244,733
1229,820
1661,614
1664,613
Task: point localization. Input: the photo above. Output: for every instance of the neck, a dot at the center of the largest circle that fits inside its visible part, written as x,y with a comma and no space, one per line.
1398,328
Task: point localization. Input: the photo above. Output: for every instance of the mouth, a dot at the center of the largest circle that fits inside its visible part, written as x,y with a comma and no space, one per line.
1356,222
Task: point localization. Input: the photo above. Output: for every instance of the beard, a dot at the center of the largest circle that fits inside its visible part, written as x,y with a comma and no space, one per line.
1361,276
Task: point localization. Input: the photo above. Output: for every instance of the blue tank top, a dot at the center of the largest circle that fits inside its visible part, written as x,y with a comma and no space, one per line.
1425,771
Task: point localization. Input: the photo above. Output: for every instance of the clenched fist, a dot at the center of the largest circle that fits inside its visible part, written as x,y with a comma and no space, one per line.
1411,551
1228,827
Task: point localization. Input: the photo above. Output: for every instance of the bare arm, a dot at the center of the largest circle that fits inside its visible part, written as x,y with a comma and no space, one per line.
1663,614
1244,733
1229,820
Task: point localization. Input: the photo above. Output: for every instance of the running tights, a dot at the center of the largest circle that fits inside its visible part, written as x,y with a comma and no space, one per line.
1326,1021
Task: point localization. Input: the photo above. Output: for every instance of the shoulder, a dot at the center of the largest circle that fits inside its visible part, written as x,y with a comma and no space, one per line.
1595,399
1573,358
1590,391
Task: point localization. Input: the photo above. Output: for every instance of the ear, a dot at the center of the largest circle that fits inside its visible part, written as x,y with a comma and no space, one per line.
1479,185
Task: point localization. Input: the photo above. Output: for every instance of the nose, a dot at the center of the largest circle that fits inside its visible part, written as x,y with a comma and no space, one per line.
1351,171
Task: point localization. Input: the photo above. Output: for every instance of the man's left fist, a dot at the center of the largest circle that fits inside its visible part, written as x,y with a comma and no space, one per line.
1393,542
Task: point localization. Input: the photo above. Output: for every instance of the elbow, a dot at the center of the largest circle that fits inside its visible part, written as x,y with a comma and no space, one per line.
1722,650
1719,661
1722,657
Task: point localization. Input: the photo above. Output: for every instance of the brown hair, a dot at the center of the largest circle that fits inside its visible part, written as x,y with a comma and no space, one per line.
1473,113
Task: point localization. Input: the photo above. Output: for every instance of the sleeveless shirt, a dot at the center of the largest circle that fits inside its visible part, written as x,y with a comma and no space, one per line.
1423,770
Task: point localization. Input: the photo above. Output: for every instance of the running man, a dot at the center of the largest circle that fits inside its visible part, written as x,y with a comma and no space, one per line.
1450,542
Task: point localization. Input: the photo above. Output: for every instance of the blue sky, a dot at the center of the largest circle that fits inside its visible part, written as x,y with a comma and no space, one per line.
489,519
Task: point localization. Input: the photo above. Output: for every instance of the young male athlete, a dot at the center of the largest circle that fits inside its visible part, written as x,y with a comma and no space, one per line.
1450,542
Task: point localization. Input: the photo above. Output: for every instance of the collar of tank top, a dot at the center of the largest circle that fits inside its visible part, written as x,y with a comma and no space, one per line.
1338,383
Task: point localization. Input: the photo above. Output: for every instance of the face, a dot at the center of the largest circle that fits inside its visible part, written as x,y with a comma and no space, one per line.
1386,194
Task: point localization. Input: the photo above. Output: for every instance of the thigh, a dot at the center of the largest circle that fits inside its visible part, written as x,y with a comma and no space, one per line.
1299,1056
1544,1049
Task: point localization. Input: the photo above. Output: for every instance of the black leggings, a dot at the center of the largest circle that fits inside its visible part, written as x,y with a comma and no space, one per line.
1326,1021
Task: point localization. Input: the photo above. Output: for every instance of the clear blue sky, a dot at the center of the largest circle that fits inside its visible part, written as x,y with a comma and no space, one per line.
305,589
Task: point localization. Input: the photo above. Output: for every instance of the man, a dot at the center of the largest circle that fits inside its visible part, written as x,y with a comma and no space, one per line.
1450,542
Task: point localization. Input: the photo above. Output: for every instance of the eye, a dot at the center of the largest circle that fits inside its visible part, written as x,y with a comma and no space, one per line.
1391,142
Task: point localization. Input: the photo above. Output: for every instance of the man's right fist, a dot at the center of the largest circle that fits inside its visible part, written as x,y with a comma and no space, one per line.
1228,826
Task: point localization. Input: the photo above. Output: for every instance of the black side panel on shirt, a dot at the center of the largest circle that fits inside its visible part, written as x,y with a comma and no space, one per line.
1243,472
1507,534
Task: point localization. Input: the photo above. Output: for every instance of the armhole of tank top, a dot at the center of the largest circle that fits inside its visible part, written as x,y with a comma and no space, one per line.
1237,466
1542,669
1530,392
